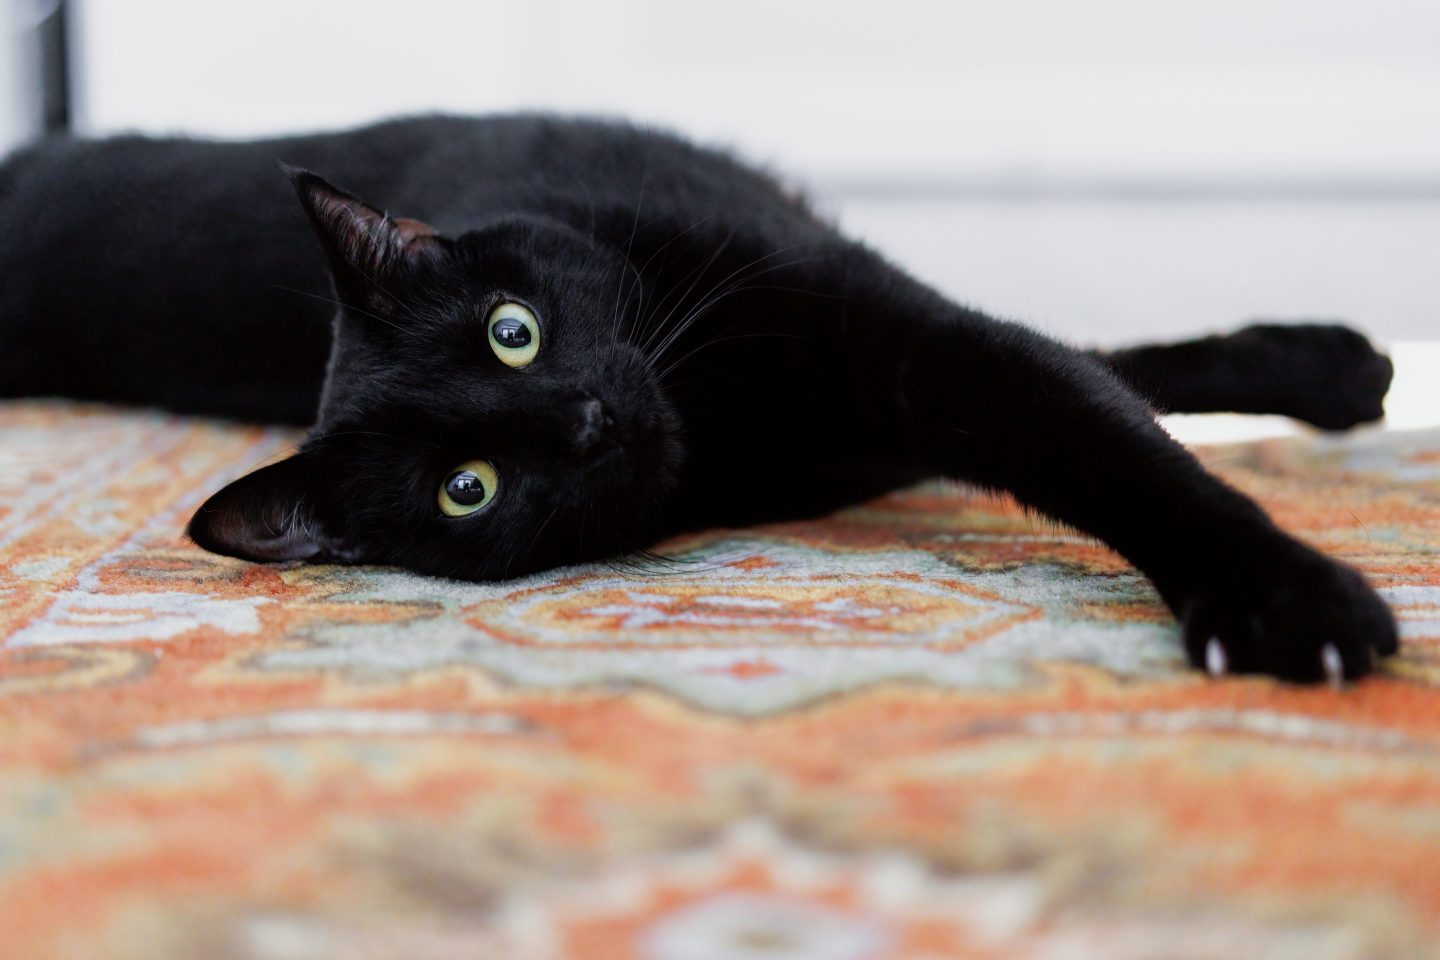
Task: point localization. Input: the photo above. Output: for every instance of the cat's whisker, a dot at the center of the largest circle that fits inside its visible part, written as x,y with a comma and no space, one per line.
644,345
530,550
694,276
333,434
625,264
342,305
689,320
711,298
397,301
704,305
590,199
634,227
640,309
641,330
675,364
799,291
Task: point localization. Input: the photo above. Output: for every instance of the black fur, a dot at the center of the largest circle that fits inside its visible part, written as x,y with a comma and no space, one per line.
711,353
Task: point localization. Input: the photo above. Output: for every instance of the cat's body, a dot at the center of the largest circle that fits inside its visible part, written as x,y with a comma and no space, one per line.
702,350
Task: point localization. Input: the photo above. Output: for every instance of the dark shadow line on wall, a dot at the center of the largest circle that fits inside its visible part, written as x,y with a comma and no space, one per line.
52,41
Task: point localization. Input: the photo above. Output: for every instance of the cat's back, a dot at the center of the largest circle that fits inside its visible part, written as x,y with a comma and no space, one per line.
453,171
471,167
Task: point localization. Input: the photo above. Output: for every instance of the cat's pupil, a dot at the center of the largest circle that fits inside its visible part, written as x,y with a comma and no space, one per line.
465,488
511,332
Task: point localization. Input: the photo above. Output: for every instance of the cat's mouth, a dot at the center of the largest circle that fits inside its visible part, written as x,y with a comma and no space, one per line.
637,453
603,456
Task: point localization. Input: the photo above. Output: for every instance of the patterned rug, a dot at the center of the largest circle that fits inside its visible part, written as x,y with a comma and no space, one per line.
925,727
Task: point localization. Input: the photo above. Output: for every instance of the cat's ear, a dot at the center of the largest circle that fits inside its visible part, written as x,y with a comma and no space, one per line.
360,241
271,515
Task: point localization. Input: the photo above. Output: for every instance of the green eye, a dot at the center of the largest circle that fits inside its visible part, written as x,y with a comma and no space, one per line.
469,487
514,334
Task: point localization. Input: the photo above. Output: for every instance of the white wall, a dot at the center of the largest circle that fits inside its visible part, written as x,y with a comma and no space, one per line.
841,91
934,101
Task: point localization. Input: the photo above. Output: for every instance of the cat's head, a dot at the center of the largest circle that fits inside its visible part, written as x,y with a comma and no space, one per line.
483,415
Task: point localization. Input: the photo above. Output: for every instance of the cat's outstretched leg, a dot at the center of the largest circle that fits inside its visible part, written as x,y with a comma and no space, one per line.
997,404
1324,374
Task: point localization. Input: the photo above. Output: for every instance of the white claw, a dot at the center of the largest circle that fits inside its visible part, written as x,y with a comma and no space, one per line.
1333,666
1217,664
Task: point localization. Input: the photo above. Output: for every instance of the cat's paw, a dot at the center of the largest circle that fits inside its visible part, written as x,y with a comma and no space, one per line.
1310,620
1332,376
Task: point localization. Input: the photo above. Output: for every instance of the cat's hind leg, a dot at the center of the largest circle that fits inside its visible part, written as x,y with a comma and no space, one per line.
1324,374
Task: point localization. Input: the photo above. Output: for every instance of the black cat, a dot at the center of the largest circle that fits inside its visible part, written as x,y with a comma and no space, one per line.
595,336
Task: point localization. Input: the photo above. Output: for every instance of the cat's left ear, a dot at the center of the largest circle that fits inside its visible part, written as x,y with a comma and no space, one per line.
276,513
360,241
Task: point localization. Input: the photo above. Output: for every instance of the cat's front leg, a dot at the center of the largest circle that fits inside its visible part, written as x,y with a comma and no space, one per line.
999,405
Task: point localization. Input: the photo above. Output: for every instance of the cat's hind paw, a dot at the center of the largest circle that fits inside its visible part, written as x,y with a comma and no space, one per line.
1324,374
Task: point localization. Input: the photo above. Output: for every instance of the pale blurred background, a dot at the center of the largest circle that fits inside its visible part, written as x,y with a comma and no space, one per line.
1110,170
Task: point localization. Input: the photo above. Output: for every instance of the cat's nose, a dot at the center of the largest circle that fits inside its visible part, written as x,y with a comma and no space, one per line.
594,426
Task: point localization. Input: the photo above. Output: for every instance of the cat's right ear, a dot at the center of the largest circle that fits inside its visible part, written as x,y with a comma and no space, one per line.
273,514
366,247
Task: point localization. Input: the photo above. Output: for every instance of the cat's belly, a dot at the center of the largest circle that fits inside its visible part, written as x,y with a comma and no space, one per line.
744,492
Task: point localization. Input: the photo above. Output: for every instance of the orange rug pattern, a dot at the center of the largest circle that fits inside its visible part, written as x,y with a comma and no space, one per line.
924,727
